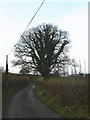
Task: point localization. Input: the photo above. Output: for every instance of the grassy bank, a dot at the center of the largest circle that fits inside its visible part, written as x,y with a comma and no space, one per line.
67,95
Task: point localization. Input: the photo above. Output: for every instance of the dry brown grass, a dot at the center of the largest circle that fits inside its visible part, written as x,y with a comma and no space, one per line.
68,92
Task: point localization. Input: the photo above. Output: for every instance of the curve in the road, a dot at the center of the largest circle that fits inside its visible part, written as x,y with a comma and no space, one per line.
26,105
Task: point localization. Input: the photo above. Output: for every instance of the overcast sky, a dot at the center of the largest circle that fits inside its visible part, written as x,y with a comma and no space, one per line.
69,15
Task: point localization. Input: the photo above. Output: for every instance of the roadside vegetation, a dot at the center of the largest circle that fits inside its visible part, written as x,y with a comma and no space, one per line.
16,82
67,95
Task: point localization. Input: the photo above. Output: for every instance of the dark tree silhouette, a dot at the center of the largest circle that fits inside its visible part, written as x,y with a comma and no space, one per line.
41,48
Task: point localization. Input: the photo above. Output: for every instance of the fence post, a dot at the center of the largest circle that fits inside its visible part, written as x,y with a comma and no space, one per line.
6,63
6,79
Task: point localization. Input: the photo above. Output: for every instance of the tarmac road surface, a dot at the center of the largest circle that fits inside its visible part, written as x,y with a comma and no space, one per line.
26,105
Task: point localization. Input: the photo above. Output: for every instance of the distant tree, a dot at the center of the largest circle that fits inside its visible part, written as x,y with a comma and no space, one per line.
42,48
80,68
84,68
2,69
74,66
25,68
23,71
62,67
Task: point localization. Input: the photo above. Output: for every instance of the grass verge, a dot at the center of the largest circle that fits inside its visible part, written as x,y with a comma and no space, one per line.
67,97
47,99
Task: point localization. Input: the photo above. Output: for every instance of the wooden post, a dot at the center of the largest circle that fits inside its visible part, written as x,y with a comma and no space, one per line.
6,63
6,79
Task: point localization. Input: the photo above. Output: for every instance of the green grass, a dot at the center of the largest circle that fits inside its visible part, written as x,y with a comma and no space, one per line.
39,78
47,99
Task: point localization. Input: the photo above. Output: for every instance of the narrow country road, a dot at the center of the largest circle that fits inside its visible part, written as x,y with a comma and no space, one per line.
26,105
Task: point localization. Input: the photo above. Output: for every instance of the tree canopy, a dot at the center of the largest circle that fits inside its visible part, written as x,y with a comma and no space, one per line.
41,49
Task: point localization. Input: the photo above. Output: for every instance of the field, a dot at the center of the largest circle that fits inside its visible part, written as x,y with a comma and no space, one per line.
66,95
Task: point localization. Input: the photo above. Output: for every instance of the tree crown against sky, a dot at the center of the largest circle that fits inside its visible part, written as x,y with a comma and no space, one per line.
42,49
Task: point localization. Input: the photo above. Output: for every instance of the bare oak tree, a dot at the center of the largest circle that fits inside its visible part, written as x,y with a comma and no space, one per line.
41,48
